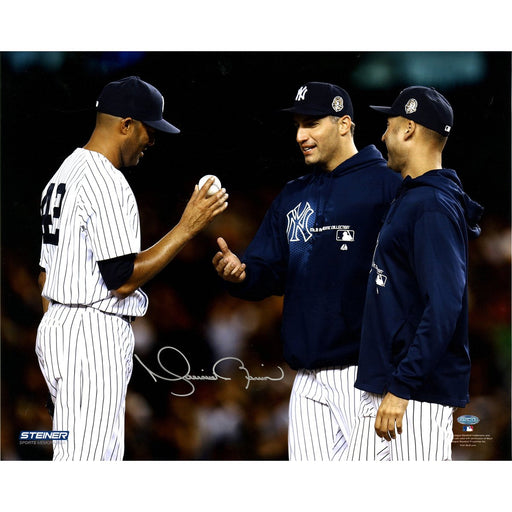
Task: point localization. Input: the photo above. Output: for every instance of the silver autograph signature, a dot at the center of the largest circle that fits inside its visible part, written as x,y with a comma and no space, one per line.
215,375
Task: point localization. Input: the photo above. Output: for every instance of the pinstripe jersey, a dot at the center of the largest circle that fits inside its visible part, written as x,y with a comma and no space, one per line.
89,214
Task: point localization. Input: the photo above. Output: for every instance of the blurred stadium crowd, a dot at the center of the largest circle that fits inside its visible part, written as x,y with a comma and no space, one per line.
194,329
234,419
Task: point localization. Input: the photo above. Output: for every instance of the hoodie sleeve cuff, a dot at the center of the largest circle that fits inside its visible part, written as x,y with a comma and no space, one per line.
399,389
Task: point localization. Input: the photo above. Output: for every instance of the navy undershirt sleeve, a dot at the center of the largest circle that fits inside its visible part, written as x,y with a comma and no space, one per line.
117,271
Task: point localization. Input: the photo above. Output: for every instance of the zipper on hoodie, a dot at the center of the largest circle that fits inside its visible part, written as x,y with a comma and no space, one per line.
321,198
396,203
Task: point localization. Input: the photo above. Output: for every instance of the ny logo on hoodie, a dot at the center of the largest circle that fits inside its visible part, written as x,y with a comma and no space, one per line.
298,223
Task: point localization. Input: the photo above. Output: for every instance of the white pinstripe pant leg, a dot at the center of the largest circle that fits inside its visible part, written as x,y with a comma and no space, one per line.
322,413
343,399
86,359
365,444
310,423
426,433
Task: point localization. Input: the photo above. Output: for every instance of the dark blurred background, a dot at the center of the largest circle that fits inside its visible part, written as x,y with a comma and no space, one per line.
227,106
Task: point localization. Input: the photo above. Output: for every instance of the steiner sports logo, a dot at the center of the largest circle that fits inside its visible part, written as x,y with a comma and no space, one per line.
42,436
298,223
468,419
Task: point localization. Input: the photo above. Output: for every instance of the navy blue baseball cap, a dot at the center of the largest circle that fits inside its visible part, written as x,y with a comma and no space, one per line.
423,105
322,99
132,97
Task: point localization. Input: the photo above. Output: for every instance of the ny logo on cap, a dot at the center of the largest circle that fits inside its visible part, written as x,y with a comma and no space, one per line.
301,93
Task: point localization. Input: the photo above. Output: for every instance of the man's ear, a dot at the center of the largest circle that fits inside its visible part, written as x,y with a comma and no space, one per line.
409,129
126,125
344,124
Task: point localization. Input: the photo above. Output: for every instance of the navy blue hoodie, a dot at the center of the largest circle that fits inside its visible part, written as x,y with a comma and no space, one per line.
414,340
315,246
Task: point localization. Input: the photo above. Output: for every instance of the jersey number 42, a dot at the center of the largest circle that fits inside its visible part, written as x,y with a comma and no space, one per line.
50,217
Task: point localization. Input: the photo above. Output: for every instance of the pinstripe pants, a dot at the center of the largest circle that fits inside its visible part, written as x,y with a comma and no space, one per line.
86,359
322,413
426,433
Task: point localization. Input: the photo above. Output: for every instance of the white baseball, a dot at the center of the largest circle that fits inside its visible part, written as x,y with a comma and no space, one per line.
215,187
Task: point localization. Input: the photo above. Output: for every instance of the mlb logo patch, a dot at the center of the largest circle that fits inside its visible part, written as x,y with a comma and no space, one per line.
467,428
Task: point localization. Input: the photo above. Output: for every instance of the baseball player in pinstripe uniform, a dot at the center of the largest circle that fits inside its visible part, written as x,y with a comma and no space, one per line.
314,246
414,364
92,268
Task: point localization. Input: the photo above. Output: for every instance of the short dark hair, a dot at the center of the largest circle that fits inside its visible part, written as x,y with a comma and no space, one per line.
436,137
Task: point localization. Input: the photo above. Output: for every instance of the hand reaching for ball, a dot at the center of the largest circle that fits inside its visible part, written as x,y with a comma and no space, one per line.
214,187
203,208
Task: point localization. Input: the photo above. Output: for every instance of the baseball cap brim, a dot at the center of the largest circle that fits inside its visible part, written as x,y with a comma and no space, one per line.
305,111
384,110
163,126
